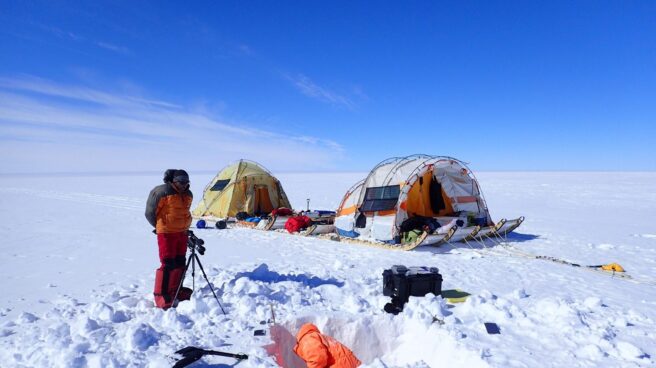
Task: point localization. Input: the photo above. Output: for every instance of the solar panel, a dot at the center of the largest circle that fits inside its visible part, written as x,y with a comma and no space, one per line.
380,198
220,185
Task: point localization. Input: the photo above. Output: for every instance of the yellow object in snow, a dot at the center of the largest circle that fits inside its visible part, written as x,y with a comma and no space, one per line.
455,295
612,267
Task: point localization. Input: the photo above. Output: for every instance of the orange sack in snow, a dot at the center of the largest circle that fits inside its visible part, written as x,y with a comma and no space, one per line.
321,351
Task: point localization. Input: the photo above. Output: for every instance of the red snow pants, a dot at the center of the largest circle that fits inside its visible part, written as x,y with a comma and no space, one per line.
172,252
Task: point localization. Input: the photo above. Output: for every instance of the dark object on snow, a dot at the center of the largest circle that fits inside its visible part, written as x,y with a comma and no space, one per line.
201,224
242,216
259,333
401,282
492,328
418,223
221,225
191,354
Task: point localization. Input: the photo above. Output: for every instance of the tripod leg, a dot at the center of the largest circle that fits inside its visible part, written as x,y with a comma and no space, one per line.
183,277
200,265
193,273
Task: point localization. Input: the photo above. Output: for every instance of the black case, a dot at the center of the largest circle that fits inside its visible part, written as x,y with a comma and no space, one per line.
401,282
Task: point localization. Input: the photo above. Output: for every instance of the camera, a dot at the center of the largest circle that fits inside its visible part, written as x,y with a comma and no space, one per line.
194,242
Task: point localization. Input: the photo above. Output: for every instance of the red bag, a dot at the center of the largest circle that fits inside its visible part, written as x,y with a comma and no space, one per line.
297,223
282,211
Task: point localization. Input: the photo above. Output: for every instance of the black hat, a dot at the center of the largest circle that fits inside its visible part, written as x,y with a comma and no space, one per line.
181,176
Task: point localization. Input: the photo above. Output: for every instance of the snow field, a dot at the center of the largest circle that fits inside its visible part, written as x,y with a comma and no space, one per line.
77,289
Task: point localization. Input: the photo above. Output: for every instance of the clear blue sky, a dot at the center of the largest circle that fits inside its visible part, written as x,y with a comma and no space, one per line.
325,85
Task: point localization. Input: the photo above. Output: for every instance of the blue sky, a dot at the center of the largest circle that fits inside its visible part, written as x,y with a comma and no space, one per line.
326,86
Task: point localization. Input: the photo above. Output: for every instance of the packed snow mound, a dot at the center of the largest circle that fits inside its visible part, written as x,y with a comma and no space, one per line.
122,328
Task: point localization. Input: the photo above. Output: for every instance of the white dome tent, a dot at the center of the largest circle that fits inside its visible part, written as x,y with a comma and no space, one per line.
399,188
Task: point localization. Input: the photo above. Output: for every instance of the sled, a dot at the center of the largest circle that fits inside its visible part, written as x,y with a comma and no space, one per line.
502,228
275,222
424,239
328,232
321,217
247,224
464,232
318,229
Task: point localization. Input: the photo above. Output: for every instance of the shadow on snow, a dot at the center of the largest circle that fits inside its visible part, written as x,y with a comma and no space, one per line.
480,244
262,273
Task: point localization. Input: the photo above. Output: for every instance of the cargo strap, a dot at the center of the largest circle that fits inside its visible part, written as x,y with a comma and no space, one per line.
613,269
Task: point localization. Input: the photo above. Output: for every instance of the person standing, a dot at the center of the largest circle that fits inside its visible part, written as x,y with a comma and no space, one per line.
168,211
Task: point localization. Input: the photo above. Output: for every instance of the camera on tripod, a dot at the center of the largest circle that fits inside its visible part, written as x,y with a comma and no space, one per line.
194,242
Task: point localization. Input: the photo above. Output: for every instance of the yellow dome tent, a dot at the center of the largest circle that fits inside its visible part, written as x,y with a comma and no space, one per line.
243,186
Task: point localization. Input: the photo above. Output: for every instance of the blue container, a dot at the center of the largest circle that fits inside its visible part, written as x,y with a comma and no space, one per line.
480,221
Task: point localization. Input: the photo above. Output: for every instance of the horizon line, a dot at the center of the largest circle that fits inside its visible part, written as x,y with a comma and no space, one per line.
205,171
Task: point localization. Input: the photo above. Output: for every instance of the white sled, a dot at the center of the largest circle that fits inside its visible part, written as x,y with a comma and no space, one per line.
500,229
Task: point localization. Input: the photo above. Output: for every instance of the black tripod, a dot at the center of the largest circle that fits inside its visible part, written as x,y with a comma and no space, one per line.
194,243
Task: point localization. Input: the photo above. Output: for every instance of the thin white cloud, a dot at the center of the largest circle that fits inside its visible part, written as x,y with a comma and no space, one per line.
245,49
46,127
111,47
41,86
307,87
64,34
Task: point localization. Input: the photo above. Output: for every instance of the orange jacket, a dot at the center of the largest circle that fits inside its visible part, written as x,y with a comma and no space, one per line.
321,351
167,210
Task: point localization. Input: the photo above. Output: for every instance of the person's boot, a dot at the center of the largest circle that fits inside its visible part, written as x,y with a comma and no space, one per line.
163,299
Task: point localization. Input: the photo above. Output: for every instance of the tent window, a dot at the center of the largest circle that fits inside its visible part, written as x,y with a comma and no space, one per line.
219,185
380,198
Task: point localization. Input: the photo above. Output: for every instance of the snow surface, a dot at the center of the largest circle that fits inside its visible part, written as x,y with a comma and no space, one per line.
78,262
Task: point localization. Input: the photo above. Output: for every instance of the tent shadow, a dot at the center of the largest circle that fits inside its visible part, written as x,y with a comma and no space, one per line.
262,273
520,238
478,245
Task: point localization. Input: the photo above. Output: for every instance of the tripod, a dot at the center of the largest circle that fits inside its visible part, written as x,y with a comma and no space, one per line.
193,258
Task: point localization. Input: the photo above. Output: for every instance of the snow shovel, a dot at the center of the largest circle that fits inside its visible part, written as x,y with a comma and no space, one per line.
191,354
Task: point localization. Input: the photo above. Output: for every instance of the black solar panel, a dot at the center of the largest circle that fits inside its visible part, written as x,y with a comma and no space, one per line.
380,198
220,185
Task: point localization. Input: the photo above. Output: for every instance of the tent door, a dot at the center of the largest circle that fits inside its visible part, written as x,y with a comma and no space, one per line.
435,193
262,203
